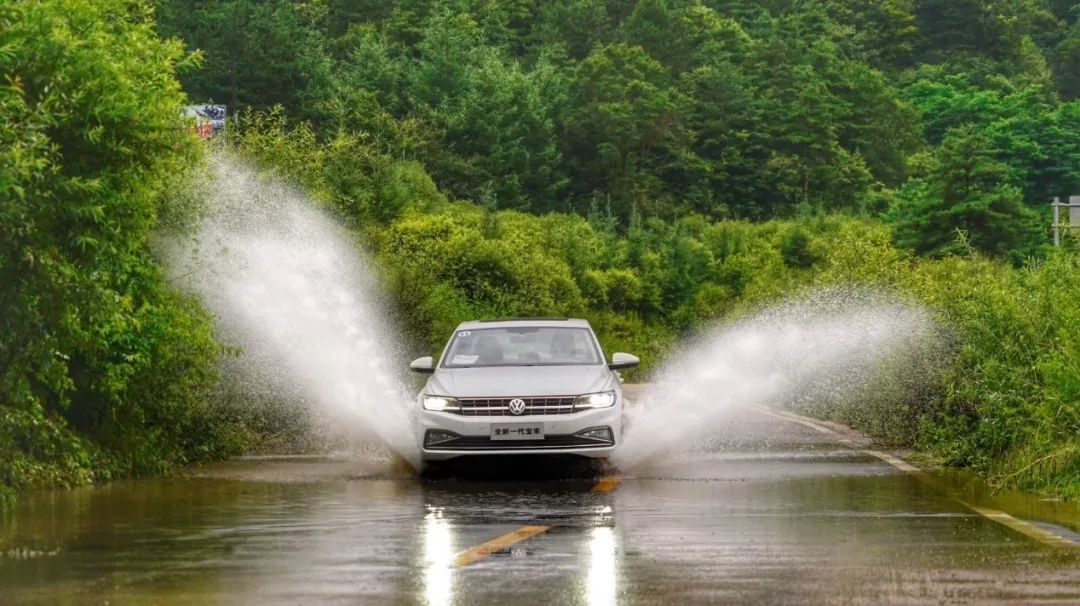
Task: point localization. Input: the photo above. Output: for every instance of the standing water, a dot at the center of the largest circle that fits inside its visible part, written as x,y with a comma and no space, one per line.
288,286
831,346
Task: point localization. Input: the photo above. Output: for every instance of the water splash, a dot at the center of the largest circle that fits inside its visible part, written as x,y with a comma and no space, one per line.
831,345
289,287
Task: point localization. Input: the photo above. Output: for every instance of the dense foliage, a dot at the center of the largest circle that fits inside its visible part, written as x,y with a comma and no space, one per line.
103,368
652,165
726,108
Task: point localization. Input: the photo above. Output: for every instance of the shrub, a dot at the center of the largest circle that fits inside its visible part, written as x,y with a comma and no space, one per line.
104,369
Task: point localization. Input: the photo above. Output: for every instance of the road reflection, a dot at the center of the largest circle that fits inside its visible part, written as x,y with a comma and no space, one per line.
812,525
460,514
438,558
601,580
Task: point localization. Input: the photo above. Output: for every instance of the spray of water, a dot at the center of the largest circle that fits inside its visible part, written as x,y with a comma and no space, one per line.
287,285
831,345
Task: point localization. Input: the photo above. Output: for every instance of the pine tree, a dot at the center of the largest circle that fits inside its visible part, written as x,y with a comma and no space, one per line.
965,201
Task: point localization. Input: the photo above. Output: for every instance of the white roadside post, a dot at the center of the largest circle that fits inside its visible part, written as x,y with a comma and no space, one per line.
1074,212
1056,204
1074,216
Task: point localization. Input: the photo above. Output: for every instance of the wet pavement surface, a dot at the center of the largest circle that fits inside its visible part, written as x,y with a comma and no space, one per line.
777,513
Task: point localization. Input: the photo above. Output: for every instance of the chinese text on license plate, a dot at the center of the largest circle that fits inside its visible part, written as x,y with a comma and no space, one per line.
517,431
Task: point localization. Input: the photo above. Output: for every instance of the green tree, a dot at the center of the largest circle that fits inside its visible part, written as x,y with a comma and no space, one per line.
1066,62
985,38
682,34
497,140
883,34
96,351
341,15
1030,133
504,23
625,125
876,122
728,137
804,162
964,200
256,54
577,26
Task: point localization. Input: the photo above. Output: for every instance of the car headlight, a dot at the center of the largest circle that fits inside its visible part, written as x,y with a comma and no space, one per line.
603,399
439,403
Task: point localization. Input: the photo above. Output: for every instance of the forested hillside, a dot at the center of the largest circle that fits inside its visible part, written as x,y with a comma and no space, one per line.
655,166
937,115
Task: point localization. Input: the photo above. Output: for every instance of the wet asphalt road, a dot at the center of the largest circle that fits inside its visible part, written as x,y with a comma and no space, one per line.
771,513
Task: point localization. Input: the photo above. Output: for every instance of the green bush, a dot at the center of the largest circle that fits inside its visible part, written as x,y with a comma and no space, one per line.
104,369
1007,402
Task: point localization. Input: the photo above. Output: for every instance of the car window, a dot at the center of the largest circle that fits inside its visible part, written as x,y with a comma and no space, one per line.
522,346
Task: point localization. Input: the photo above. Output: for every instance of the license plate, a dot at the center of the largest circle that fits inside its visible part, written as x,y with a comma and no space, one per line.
517,431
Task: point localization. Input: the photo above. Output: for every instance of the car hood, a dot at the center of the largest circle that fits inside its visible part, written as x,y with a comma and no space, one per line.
506,381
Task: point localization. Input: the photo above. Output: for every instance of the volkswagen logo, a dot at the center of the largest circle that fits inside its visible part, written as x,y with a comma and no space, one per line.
516,406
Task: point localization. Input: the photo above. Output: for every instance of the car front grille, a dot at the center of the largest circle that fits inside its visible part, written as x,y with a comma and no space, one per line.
500,407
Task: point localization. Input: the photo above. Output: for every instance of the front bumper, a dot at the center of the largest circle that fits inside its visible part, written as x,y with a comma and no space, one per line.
559,431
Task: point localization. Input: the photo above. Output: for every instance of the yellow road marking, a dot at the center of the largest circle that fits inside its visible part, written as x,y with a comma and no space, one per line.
1025,528
606,484
483,550
896,462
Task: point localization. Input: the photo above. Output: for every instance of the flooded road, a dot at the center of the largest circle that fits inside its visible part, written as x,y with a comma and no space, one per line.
776,512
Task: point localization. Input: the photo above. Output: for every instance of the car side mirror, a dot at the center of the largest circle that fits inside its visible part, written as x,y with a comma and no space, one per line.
622,361
425,365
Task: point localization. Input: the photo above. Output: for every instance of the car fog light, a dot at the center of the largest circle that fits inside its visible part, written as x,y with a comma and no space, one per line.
600,434
438,436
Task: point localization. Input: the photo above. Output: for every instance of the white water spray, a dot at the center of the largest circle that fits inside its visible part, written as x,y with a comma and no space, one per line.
286,284
830,346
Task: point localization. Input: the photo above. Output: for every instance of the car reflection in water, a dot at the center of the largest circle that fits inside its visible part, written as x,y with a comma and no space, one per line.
601,578
439,550
578,554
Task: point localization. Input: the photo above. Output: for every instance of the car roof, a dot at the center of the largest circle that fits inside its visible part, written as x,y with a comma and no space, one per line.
523,322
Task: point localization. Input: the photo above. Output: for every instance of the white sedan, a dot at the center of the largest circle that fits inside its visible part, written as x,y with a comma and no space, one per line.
528,386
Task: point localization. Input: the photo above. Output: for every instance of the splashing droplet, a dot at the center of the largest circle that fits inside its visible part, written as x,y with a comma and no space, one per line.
288,286
831,345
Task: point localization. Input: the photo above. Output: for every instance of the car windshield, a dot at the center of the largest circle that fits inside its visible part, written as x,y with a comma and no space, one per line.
522,346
